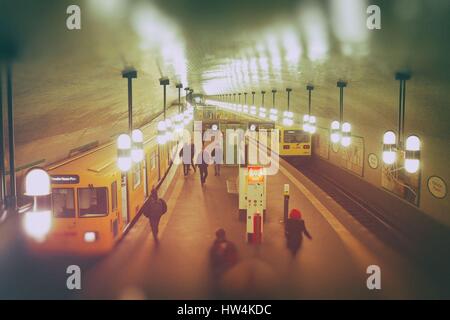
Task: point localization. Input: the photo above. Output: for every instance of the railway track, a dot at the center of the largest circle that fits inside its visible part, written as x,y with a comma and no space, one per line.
367,216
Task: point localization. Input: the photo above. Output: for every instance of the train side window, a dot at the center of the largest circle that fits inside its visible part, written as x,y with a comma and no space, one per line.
295,136
93,202
136,175
63,202
114,196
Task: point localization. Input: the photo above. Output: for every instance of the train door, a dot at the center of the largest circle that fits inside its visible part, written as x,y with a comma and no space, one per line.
114,209
153,167
124,197
159,162
145,178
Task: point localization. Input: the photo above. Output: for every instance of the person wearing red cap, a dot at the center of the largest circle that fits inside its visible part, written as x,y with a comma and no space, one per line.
295,228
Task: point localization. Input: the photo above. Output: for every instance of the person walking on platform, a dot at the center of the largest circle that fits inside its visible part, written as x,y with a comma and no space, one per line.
153,209
217,155
192,156
294,230
185,158
223,254
202,164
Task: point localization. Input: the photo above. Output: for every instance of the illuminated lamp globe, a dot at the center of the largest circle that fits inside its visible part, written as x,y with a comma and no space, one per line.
37,183
123,141
412,164
37,224
346,141
346,127
288,122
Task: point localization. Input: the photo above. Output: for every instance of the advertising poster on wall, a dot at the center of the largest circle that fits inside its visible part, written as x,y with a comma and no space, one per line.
321,143
352,157
405,185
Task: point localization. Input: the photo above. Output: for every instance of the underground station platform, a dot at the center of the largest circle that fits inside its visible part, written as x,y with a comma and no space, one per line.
281,150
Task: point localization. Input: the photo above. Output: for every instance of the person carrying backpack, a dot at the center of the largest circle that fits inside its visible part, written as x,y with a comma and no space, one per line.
153,209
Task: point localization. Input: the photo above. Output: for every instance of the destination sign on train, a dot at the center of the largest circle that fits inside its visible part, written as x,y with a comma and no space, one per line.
65,179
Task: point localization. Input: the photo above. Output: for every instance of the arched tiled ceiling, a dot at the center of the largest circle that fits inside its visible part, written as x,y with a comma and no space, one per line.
68,90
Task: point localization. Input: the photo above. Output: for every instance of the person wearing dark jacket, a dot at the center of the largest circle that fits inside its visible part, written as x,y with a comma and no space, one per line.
223,254
295,228
202,164
185,158
192,156
153,209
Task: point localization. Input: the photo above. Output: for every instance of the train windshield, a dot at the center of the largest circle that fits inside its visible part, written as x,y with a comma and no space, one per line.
296,136
63,202
93,201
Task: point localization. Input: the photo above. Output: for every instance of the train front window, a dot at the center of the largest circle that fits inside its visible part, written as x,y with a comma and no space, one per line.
63,202
93,202
295,136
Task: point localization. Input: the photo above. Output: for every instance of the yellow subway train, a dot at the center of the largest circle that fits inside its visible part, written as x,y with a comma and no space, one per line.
94,203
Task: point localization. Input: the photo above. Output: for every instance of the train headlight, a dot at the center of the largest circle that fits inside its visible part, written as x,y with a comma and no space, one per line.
90,236
37,224
412,154
37,183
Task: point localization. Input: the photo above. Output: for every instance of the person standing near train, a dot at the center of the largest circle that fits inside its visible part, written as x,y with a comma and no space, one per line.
154,209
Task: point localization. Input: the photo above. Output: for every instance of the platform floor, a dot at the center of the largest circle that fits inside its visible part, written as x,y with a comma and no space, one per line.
332,265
